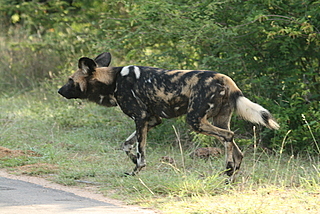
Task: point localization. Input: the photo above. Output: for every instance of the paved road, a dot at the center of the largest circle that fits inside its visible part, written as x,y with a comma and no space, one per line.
22,197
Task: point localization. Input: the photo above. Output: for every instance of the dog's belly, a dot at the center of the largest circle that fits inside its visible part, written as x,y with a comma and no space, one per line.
167,111
167,108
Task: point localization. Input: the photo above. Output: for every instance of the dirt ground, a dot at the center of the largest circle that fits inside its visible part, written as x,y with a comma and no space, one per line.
5,152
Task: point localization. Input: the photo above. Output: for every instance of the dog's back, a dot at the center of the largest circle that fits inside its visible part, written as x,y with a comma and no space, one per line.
169,93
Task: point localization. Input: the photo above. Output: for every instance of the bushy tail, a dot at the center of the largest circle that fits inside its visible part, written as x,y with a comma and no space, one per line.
254,113
250,111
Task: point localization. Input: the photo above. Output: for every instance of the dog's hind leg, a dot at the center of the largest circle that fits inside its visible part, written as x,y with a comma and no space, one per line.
197,119
233,153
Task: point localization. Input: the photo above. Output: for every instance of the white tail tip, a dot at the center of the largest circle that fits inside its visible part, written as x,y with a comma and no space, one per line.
273,124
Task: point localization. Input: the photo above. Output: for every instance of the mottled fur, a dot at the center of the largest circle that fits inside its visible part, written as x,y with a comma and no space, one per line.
148,94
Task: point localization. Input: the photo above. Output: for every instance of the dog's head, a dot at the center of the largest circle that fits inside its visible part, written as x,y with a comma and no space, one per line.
93,80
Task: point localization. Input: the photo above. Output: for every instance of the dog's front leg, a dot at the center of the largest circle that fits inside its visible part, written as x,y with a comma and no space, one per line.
141,135
130,142
128,145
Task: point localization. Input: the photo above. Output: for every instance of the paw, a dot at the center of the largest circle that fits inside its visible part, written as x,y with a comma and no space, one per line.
230,169
127,174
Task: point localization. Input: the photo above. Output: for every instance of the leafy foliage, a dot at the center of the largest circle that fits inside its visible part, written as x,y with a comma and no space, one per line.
271,48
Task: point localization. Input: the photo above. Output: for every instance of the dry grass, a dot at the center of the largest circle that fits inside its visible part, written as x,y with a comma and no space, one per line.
263,200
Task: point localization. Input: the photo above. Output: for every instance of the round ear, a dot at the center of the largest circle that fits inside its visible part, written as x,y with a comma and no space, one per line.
103,60
87,65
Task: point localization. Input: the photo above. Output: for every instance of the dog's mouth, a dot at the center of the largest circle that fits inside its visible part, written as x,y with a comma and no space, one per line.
64,94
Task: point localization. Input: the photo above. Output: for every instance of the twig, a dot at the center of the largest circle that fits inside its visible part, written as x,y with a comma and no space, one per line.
280,157
180,146
314,139
146,186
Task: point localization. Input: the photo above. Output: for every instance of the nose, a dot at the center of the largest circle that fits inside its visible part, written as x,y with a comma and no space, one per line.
62,91
59,91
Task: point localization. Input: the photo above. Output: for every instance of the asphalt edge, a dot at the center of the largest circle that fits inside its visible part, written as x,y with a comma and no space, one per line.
79,191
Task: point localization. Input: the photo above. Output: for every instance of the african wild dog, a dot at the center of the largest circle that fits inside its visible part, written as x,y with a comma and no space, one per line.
148,94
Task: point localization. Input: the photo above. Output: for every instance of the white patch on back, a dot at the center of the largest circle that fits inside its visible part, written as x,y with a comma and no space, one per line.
125,71
137,72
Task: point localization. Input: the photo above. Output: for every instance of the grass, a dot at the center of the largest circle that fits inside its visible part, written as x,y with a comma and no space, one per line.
77,143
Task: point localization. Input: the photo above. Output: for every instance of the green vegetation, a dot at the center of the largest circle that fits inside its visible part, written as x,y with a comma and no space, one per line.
270,48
